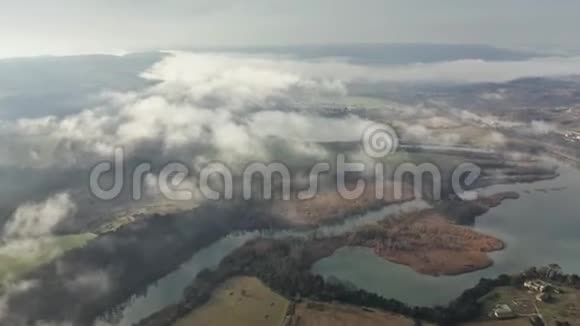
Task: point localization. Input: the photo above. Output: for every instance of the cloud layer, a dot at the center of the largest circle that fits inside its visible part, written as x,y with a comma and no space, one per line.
225,106
39,219
236,108
200,101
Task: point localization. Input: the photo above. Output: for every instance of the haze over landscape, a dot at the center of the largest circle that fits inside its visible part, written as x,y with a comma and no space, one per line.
69,27
417,163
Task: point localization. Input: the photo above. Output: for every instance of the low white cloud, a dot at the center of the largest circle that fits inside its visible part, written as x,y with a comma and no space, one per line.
200,101
225,107
418,133
211,72
493,96
242,82
494,139
486,120
539,127
307,127
478,71
37,219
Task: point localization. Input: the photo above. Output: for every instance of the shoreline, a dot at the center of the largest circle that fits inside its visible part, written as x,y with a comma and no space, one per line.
278,262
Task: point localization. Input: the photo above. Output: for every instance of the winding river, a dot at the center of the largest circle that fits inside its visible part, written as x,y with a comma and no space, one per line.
539,228
169,289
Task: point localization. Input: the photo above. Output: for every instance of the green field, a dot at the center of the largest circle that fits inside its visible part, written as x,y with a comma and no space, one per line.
241,301
20,256
521,302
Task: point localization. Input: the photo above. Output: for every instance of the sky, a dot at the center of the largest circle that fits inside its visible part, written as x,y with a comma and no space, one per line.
29,28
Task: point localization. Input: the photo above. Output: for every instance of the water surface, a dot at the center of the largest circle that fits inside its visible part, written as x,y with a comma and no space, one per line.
540,228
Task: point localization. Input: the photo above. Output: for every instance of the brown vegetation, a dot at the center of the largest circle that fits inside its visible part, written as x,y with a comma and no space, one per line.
429,243
329,206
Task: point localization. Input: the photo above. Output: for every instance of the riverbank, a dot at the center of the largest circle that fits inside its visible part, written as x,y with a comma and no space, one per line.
285,264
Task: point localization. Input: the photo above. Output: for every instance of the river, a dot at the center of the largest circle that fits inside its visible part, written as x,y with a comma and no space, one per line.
169,289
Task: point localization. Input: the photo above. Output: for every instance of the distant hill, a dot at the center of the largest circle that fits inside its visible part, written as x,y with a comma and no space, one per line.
392,53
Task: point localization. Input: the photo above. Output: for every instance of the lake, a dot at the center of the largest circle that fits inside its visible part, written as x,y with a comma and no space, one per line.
539,228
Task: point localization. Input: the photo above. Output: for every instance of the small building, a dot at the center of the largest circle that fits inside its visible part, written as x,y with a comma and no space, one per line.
503,311
537,286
